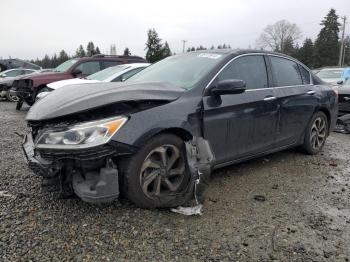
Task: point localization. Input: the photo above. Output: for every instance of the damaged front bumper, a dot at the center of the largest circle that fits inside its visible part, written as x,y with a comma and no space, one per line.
90,173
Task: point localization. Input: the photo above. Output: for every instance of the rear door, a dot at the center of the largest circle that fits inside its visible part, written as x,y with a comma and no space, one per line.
243,124
296,97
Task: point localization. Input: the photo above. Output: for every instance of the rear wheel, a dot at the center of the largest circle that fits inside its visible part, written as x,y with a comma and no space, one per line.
316,133
157,175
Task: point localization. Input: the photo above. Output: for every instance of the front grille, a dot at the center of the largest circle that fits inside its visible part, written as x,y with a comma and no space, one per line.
81,154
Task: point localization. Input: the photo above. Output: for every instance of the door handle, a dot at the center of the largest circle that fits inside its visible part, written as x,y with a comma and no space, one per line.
269,98
311,92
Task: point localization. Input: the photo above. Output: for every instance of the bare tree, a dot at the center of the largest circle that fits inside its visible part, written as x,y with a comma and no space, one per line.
275,36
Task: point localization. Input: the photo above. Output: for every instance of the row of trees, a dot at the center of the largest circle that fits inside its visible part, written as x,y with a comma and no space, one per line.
324,51
281,37
191,49
55,60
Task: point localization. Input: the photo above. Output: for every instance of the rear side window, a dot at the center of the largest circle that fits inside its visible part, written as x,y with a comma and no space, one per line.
305,75
285,72
251,69
88,68
106,64
14,73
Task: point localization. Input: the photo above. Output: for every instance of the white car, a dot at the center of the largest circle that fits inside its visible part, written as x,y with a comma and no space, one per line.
16,72
117,73
330,75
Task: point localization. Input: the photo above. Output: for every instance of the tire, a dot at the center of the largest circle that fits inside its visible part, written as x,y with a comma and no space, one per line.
11,97
19,104
145,177
316,133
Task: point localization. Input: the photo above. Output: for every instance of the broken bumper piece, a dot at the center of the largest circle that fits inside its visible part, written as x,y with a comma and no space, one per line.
91,175
96,188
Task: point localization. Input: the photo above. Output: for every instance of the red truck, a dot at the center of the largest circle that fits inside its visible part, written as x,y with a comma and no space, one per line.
28,87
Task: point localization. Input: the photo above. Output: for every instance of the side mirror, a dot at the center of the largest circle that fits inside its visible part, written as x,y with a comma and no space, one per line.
340,82
229,86
76,72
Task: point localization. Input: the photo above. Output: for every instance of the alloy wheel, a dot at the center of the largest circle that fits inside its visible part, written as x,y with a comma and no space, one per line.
162,171
318,133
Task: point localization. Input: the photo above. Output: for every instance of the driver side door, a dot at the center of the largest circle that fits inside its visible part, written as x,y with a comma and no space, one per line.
241,125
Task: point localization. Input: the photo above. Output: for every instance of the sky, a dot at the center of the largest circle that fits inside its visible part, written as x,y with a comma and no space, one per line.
33,28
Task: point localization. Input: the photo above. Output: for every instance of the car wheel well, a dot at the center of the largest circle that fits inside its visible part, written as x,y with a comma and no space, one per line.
182,133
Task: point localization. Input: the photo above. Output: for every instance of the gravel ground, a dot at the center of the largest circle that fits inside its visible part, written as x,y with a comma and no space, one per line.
283,207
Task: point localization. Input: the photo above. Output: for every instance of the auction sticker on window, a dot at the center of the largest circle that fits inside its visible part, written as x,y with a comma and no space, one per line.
209,55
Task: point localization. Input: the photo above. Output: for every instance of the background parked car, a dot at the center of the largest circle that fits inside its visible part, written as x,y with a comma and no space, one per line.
6,83
331,75
15,72
117,73
344,97
27,88
6,64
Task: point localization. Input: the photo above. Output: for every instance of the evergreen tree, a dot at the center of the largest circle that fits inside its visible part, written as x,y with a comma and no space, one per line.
153,46
189,49
90,49
126,51
306,53
224,46
166,50
97,51
80,52
193,48
62,57
288,47
212,47
327,42
219,47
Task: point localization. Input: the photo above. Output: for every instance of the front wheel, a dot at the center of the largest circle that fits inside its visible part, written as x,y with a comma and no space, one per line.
157,175
316,133
11,98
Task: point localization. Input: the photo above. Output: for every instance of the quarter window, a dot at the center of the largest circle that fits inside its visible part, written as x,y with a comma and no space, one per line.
305,75
251,69
88,68
285,72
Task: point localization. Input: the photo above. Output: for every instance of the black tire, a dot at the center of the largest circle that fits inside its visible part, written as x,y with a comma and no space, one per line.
19,104
135,170
316,134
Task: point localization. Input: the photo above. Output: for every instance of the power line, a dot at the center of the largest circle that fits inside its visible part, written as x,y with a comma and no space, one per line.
342,43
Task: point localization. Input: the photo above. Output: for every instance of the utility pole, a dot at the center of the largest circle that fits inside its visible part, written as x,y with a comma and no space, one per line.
342,43
183,45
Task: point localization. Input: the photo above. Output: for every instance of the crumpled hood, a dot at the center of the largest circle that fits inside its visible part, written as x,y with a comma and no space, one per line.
82,97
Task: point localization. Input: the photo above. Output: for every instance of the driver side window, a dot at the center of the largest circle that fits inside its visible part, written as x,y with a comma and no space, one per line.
251,69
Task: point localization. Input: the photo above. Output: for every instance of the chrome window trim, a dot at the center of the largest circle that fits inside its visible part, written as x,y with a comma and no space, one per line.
222,68
267,54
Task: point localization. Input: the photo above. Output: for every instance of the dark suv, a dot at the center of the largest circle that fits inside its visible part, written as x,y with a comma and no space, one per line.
28,87
153,136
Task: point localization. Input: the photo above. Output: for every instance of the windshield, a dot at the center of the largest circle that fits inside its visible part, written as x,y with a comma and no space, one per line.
182,70
330,73
108,72
65,66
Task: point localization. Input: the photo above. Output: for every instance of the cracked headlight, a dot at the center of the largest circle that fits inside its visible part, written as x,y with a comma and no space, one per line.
82,135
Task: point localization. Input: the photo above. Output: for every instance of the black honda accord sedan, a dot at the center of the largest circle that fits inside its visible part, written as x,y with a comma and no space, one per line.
151,137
